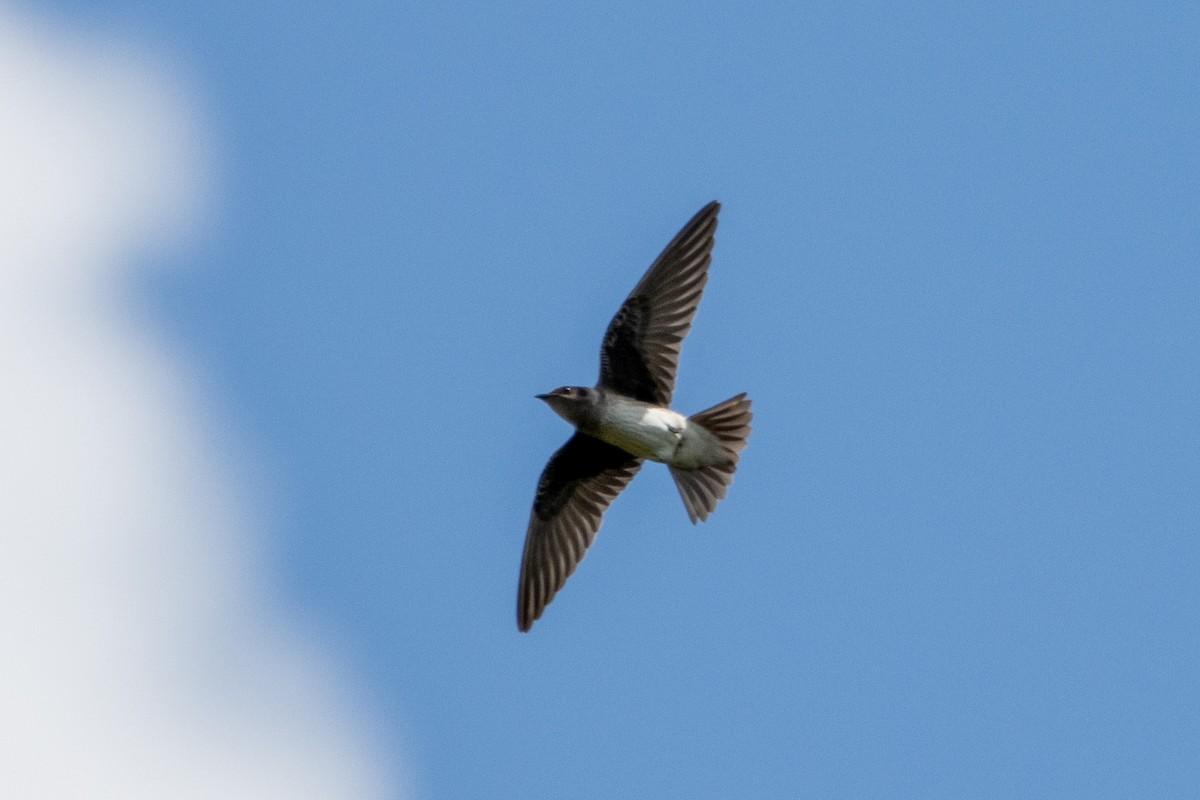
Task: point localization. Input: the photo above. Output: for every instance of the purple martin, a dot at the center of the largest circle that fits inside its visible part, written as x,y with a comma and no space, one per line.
626,418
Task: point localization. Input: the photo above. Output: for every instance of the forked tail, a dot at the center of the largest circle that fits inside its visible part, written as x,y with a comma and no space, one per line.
701,489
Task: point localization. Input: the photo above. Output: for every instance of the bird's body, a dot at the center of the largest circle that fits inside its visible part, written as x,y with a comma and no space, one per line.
626,418
646,430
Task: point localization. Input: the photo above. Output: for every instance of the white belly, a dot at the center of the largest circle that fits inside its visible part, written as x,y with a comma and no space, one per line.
645,431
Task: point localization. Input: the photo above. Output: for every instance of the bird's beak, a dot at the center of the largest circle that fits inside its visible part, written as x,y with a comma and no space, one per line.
543,396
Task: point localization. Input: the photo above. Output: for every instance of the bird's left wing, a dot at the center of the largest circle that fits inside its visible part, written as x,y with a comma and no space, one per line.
575,490
640,354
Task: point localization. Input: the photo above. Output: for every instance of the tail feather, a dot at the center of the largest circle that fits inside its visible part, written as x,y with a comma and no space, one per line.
701,489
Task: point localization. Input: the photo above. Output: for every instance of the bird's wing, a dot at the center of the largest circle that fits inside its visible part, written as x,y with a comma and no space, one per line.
640,353
575,489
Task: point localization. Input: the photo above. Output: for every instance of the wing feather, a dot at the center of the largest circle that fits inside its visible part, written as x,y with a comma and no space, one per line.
577,486
640,354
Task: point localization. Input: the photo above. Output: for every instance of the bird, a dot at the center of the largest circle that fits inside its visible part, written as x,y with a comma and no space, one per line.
626,419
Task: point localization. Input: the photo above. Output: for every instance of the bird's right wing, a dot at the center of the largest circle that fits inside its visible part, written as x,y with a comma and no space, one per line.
575,490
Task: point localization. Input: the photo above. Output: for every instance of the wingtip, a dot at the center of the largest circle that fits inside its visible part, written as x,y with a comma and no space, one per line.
525,619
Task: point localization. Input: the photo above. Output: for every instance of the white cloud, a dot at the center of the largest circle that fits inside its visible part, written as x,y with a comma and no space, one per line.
138,658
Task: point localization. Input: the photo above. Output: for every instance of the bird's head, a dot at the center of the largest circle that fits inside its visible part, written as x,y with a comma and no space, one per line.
572,403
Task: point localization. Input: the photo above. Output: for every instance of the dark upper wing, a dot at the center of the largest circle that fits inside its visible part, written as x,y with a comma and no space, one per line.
640,353
573,493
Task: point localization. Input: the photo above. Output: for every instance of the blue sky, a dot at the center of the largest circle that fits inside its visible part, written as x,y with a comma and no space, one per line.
956,271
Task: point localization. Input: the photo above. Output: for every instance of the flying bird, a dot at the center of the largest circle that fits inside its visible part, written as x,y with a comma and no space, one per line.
626,418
